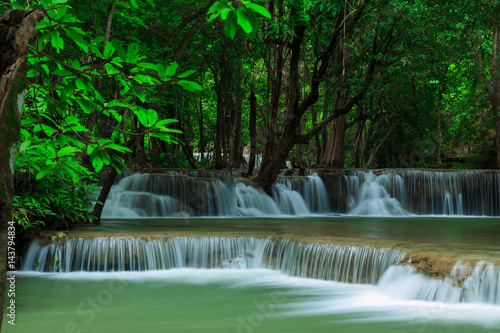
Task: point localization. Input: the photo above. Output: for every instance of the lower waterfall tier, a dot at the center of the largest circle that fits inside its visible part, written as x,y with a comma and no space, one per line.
340,263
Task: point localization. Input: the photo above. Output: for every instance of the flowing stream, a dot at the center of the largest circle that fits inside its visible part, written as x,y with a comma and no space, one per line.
134,274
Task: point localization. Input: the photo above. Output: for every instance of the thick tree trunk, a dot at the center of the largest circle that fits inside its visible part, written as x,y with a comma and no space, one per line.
334,151
16,27
219,128
253,131
238,109
276,85
357,145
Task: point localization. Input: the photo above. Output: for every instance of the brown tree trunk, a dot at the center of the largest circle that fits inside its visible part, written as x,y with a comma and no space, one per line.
219,128
495,74
16,27
357,145
238,109
253,131
276,80
201,144
186,147
334,151
438,134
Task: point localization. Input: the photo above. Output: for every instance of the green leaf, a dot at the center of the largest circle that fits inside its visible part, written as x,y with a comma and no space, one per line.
69,150
97,163
162,73
190,85
147,65
110,69
164,136
47,129
243,19
186,74
60,12
74,34
120,50
84,105
259,9
132,50
80,85
171,69
152,117
117,147
109,49
45,170
143,117
164,122
56,40
230,25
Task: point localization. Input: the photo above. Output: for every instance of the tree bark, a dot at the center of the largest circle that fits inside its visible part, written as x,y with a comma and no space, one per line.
275,78
16,29
253,131
238,109
201,144
219,128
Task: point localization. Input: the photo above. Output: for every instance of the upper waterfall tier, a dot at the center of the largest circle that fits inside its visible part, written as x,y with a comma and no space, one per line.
403,192
205,193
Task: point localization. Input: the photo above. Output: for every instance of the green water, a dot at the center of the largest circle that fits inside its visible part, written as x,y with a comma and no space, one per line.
252,301
467,230
189,300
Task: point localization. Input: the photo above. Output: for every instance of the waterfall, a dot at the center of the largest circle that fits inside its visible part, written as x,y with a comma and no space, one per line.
172,194
320,261
402,192
465,284
209,193
342,263
370,194
311,189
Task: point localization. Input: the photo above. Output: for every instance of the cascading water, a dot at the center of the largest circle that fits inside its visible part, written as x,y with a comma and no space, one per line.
205,193
320,261
311,189
173,194
341,263
403,192
370,195
480,284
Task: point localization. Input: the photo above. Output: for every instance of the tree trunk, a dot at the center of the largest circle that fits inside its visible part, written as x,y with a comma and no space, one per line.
186,147
335,148
438,134
201,145
238,109
16,27
253,131
495,74
219,128
357,145
276,85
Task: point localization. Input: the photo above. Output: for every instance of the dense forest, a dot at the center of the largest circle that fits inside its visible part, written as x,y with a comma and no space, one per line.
200,84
